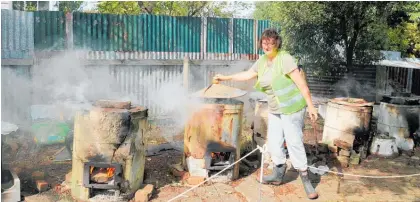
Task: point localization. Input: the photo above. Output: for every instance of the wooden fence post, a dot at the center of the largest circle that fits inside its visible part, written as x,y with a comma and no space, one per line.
381,82
230,32
409,80
186,71
69,30
203,38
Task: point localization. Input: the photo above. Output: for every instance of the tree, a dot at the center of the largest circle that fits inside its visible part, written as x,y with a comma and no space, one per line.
171,8
24,6
69,6
404,30
119,7
66,6
327,33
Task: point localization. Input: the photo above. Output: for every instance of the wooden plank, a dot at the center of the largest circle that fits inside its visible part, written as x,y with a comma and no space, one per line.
17,62
186,72
163,62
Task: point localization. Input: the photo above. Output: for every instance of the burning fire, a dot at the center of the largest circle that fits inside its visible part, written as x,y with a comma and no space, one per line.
109,171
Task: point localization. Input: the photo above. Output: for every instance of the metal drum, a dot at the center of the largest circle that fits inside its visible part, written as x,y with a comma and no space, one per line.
346,119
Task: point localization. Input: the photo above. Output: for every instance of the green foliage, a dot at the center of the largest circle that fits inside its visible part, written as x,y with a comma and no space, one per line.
69,6
66,6
22,6
119,7
327,33
407,31
171,8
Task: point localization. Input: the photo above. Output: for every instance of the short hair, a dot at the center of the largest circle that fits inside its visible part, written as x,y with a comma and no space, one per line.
271,33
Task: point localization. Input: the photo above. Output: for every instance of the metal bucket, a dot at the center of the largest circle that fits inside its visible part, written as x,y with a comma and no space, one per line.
346,119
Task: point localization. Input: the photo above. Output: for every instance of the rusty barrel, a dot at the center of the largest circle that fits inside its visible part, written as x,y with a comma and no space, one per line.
345,119
260,122
400,119
217,122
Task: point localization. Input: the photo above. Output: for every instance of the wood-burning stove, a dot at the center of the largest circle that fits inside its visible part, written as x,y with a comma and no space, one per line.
102,175
108,149
219,157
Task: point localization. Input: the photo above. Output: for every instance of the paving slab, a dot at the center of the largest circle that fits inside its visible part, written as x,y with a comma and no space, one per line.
217,192
249,188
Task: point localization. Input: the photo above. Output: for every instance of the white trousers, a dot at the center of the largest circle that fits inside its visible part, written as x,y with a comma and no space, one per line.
287,128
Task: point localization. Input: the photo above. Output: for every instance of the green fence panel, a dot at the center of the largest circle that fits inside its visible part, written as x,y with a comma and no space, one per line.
243,36
217,35
49,30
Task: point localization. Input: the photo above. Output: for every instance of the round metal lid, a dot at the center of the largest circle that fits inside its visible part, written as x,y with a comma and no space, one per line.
217,90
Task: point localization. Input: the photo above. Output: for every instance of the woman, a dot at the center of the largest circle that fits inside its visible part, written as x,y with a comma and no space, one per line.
288,99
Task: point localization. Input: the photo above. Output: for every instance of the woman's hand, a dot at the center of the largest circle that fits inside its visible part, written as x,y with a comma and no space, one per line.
313,113
220,77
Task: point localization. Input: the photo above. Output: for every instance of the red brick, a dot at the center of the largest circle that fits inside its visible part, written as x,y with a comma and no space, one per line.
333,149
342,144
68,177
333,155
144,194
175,172
61,188
194,180
185,176
41,185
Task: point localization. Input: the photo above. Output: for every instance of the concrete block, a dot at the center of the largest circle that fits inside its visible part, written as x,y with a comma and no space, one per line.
194,180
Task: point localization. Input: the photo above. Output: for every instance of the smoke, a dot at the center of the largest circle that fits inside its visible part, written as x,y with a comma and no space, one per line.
350,87
180,103
60,86
177,103
64,82
201,77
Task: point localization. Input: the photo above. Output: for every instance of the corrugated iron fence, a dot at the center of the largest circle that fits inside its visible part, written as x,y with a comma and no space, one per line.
166,37
17,31
142,36
359,82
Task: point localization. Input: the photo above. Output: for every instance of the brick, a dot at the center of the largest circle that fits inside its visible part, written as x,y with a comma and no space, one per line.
194,180
41,185
344,161
185,176
333,155
144,194
38,175
175,172
344,152
333,149
59,188
342,144
68,177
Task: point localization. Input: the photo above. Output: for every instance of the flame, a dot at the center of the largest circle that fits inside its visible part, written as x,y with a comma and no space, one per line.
109,171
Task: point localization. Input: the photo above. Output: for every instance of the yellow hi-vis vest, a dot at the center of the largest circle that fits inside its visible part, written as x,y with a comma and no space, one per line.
288,95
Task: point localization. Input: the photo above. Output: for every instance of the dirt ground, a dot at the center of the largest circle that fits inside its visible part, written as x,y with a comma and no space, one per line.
26,159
